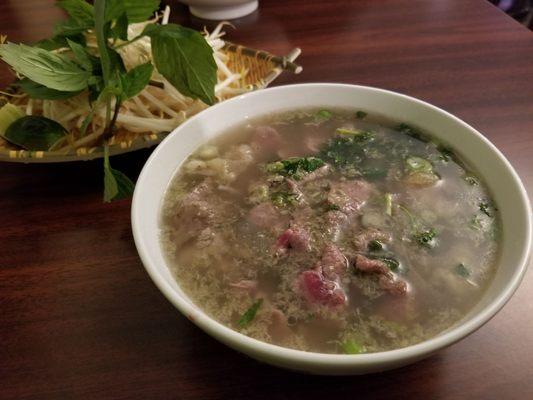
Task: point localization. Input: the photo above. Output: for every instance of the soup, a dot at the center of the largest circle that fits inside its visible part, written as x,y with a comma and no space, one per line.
330,231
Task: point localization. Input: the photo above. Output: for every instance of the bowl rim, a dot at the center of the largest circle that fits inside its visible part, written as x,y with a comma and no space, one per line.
247,344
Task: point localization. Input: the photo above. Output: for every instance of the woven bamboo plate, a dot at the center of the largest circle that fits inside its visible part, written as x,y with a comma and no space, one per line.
257,68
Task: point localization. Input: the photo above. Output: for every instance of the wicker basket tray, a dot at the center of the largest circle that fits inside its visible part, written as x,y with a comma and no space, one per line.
261,69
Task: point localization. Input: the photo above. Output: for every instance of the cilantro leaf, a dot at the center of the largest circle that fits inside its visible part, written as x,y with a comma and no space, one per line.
116,185
295,167
185,59
42,66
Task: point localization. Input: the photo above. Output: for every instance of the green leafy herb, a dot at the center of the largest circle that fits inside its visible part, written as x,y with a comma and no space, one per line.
375,245
357,135
462,270
81,12
185,59
44,67
34,133
82,57
119,29
136,80
249,314
352,347
323,115
426,238
136,10
295,167
413,132
9,113
60,41
38,91
360,115
116,185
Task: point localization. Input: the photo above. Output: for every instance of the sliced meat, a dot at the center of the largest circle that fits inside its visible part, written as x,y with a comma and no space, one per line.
312,144
363,238
266,139
318,290
387,280
349,196
370,265
194,213
266,216
333,263
334,224
317,173
279,328
295,238
396,287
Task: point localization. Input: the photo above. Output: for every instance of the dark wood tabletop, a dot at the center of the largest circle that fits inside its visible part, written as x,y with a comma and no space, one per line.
81,319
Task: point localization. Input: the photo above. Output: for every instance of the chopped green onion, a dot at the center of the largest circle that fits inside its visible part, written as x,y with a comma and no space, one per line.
354,133
388,203
351,347
249,314
426,238
418,164
323,115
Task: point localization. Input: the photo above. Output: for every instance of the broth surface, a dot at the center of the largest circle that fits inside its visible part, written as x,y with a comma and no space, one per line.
330,231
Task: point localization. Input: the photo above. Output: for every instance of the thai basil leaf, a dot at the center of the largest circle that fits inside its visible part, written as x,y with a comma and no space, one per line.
120,29
101,30
136,10
49,69
82,57
136,80
116,185
60,41
79,11
38,91
185,59
68,27
35,133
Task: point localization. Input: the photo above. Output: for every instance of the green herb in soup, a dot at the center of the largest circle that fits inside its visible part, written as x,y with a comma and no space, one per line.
330,231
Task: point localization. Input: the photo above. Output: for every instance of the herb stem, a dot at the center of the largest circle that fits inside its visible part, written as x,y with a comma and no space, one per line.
127,43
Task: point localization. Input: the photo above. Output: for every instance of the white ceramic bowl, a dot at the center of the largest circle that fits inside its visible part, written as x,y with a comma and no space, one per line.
221,9
501,178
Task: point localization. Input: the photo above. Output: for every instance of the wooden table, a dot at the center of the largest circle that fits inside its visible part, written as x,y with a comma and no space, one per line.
80,318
